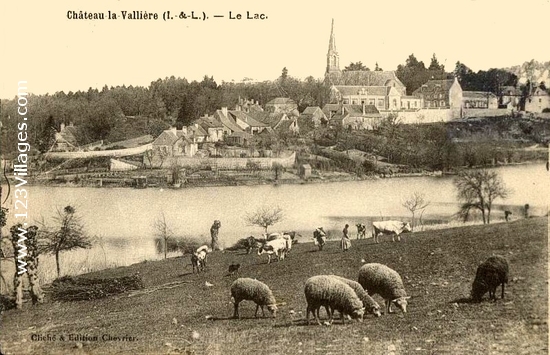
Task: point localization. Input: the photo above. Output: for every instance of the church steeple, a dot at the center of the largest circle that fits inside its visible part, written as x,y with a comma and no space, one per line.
333,62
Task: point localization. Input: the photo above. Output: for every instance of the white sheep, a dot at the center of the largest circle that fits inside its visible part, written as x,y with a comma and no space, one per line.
333,294
369,304
252,290
380,279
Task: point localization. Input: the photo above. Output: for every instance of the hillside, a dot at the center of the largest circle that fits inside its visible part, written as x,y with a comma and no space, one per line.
437,267
537,71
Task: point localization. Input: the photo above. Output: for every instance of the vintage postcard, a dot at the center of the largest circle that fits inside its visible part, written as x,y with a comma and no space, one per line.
290,177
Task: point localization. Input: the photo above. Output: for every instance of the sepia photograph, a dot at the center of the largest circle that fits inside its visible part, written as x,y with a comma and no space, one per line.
247,177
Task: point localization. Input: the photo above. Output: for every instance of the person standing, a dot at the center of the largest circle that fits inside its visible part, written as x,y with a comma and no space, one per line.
346,241
214,231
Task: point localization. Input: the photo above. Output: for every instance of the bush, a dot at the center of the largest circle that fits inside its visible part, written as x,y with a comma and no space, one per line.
546,110
185,245
69,288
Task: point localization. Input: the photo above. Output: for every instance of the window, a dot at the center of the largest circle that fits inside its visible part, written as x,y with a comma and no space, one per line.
371,102
380,102
346,101
442,103
394,103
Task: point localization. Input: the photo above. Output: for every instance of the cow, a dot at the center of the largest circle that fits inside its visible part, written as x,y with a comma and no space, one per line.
319,238
197,263
393,228
288,236
361,230
277,247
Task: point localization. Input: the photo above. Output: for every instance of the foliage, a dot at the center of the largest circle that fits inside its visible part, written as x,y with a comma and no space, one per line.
477,189
492,80
416,202
67,234
162,231
414,73
265,216
357,66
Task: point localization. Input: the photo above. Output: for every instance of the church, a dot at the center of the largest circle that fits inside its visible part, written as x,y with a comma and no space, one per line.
381,89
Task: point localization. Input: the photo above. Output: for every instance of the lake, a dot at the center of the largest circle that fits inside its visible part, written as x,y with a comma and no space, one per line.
123,218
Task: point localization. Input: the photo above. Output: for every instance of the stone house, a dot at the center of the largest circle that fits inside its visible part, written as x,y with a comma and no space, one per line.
214,129
537,101
445,93
172,142
510,98
315,115
353,116
247,122
479,99
282,105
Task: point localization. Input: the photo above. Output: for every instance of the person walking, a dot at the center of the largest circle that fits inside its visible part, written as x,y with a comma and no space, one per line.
346,241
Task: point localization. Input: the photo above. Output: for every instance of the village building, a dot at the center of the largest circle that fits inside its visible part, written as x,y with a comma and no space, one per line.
353,116
381,89
214,129
479,99
173,142
538,101
510,98
314,115
247,122
282,105
247,105
445,93
65,139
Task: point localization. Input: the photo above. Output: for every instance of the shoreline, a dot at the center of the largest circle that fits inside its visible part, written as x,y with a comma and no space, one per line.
122,182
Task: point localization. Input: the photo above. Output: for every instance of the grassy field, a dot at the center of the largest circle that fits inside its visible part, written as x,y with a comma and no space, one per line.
178,314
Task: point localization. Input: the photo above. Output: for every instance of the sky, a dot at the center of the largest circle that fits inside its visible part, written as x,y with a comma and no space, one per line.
54,53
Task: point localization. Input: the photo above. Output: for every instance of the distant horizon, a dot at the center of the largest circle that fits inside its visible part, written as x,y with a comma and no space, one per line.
54,53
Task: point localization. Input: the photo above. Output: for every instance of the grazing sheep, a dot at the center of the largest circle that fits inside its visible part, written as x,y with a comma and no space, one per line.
380,279
234,268
333,294
252,290
369,304
490,274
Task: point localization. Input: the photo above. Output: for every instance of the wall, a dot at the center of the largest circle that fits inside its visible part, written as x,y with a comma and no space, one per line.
425,115
221,163
484,112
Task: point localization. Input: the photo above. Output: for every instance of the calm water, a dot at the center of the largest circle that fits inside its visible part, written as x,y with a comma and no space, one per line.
124,217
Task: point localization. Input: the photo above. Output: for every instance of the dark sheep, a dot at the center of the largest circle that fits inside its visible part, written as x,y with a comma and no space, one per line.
490,274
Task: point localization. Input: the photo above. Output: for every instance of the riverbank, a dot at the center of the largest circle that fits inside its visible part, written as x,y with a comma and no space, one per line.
182,312
161,177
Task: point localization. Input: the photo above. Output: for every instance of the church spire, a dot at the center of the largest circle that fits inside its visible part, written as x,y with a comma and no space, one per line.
332,55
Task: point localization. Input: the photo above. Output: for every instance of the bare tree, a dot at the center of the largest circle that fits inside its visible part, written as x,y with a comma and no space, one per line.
265,216
477,189
162,231
68,234
416,202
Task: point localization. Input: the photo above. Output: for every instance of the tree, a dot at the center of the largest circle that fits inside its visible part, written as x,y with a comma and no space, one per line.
162,231
434,64
47,138
478,189
357,66
264,217
416,202
68,234
377,68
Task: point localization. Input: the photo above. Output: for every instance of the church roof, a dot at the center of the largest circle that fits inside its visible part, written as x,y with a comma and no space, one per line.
364,90
362,78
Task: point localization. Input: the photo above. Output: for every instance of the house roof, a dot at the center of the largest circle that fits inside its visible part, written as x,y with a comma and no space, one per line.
243,116
435,86
168,137
269,118
240,134
196,131
477,95
363,90
310,110
227,121
281,101
209,122
285,126
362,77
